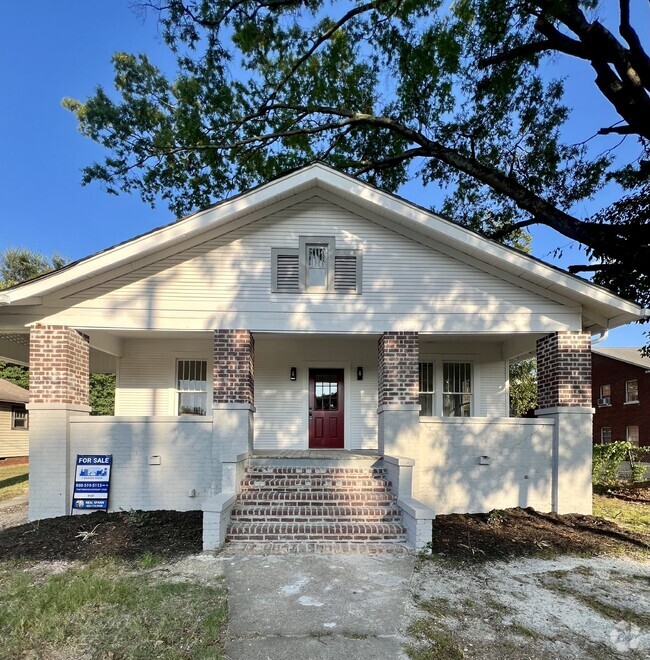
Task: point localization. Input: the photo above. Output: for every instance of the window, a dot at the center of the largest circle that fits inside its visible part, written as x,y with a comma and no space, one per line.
632,434
427,389
316,266
632,391
192,387
605,435
456,389
19,418
605,398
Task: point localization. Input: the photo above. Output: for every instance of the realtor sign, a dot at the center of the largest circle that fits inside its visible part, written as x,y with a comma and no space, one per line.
92,481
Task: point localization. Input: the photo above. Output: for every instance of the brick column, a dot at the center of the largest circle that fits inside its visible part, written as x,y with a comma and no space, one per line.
59,360
564,395
233,408
398,354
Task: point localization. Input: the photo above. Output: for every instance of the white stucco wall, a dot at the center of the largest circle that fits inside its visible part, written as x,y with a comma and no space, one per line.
449,478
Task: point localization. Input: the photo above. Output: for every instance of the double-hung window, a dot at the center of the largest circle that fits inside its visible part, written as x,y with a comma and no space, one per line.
632,391
446,389
192,387
605,435
632,435
19,418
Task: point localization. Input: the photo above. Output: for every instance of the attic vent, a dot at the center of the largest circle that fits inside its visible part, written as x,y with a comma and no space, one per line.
288,272
345,273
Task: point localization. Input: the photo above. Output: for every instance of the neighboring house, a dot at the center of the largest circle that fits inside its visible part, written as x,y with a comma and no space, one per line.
14,421
621,395
314,311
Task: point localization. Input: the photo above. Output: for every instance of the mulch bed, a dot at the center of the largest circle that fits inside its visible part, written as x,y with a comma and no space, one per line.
639,492
129,535
512,533
503,534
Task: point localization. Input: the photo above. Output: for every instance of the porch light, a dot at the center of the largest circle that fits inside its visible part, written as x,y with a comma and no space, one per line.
359,373
293,373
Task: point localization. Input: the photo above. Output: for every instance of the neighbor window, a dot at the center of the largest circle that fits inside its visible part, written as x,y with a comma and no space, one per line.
631,391
456,389
605,398
605,435
427,389
192,387
632,434
19,418
316,266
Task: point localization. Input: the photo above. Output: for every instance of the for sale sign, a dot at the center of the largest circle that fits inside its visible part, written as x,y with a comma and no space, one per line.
92,481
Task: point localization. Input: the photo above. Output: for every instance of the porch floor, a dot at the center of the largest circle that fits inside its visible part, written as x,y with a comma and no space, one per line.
334,454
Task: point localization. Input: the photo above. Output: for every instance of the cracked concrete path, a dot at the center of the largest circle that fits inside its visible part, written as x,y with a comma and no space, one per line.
317,606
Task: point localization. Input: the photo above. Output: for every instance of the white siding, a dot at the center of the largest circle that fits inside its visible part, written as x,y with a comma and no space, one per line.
146,376
13,442
226,282
146,384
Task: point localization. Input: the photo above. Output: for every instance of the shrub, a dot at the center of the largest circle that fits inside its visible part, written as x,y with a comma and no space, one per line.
607,461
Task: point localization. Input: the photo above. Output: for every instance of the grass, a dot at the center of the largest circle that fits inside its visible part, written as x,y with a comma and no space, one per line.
633,516
432,642
13,481
107,609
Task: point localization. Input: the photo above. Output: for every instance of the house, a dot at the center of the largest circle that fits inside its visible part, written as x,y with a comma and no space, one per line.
14,421
621,395
312,314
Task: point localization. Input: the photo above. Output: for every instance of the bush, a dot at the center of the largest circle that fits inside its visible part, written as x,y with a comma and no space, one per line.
607,461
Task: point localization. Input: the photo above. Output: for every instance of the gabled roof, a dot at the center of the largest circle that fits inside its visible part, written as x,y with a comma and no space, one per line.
601,308
11,393
629,355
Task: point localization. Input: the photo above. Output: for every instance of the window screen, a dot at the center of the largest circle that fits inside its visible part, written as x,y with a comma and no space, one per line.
192,387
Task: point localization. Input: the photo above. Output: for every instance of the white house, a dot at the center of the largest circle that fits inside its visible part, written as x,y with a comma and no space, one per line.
318,312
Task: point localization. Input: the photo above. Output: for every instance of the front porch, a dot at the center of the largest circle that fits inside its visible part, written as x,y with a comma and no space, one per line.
254,398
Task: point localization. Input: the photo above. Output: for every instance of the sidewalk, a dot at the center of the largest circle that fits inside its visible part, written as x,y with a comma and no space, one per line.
317,606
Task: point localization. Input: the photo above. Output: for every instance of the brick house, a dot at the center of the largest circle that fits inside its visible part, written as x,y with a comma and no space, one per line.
621,395
314,345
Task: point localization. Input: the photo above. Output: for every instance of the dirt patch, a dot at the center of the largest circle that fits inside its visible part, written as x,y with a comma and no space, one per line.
513,533
12,514
128,535
526,609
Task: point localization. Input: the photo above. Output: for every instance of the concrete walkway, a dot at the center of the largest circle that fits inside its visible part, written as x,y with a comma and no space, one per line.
317,606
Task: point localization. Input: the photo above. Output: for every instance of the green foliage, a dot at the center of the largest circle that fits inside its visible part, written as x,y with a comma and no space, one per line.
607,461
15,373
19,264
102,394
523,387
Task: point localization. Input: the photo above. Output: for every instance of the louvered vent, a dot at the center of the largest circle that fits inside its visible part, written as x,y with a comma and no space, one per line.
345,273
288,278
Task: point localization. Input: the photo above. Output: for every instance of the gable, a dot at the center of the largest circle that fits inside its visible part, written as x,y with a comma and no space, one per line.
226,281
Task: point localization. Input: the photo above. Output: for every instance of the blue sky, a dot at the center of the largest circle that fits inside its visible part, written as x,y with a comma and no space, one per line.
50,49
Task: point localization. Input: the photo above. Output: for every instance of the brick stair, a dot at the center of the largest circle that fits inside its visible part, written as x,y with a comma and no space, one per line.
351,506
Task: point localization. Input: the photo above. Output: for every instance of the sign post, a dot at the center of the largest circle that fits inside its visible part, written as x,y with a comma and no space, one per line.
92,482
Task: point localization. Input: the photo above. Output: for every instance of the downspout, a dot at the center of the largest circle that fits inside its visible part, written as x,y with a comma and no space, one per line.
601,337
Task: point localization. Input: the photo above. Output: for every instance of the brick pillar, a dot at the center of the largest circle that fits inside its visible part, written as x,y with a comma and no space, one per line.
233,408
564,395
59,360
398,354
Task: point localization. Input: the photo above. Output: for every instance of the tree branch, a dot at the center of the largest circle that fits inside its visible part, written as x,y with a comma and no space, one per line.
620,130
515,53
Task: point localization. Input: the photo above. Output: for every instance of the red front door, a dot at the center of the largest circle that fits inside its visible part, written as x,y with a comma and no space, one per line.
326,409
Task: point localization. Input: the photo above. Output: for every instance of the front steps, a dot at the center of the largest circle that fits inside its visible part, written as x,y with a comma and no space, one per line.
335,504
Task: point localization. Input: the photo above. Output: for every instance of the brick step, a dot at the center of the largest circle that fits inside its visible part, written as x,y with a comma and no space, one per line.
289,483
317,532
300,497
313,470
316,513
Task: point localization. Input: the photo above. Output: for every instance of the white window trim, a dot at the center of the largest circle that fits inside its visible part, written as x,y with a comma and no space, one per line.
602,439
438,361
301,253
627,433
173,391
633,401
21,409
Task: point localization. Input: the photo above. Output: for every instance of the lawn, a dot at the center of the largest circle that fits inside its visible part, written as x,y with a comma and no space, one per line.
628,514
13,481
108,608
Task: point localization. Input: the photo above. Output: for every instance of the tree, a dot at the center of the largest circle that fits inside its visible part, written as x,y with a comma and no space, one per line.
457,94
523,387
15,373
102,394
18,265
